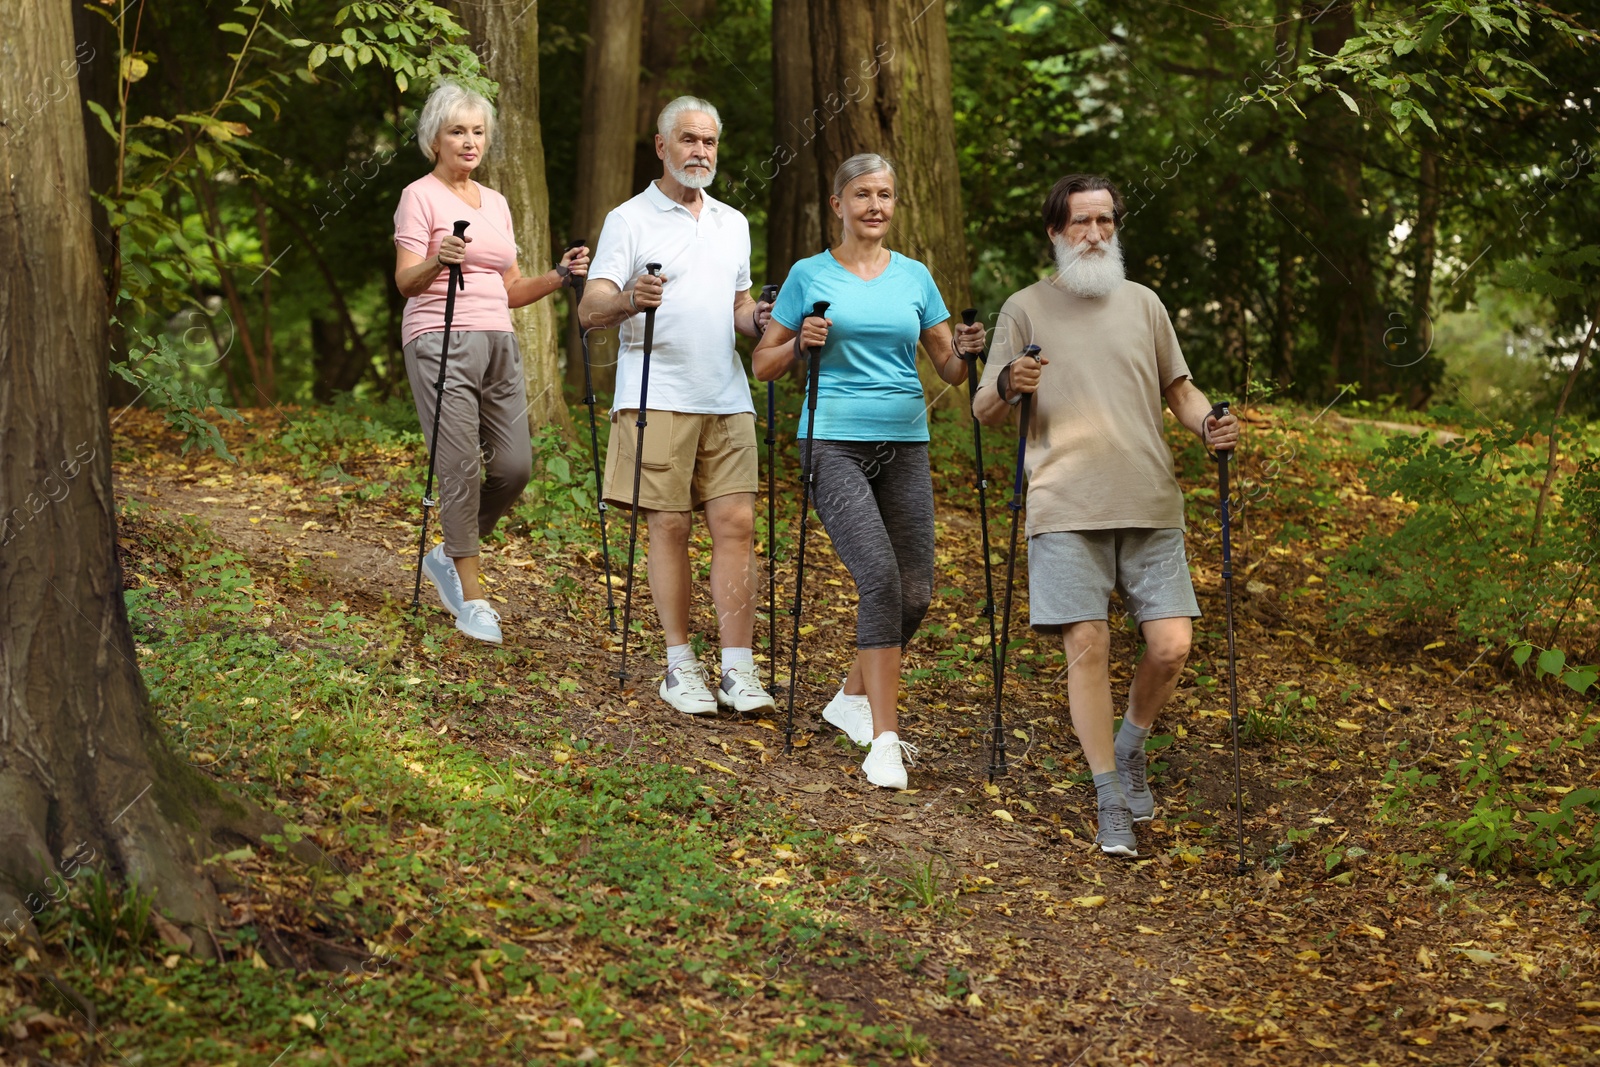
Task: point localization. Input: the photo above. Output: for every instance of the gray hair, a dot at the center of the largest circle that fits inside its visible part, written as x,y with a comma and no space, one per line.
667,122
858,165
447,102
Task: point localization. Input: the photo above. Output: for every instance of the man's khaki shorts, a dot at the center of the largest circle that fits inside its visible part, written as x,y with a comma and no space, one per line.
688,459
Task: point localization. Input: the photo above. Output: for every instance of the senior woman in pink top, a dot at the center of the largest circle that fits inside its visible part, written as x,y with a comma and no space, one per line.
484,414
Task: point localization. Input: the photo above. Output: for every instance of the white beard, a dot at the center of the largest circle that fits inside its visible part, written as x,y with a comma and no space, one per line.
698,178
1090,275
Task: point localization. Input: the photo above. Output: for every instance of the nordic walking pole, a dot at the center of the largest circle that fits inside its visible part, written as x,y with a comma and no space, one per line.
1223,455
813,379
769,294
968,317
997,744
594,445
456,281
638,469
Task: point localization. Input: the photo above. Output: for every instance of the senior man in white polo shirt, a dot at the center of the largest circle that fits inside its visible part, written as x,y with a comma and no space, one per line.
700,438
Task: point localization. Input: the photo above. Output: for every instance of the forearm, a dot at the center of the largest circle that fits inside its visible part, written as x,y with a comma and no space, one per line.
526,291
989,406
774,355
416,280
1190,407
744,317
604,308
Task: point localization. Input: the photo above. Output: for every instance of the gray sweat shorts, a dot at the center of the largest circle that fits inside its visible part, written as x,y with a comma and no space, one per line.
1071,575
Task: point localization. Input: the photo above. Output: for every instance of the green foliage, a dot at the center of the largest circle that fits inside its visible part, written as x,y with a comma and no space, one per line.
1286,720
1465,556
159,371
101,920
455,861
323,439
559,503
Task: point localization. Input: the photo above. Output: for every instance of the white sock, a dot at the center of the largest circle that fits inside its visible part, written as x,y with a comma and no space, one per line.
678,655
742,658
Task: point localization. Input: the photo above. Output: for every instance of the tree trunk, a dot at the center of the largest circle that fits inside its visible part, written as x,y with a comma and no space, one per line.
85,777
794,220
668,29
1420,331
605,146
881,83
510,35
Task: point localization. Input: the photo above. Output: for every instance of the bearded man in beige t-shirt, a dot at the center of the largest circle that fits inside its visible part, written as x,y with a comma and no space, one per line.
1104,508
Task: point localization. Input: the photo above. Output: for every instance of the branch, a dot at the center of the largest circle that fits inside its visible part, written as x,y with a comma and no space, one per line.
1561,405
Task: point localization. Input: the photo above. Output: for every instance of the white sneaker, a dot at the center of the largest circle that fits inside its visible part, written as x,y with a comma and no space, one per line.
479,620
685,688
883,764
741,691
852,714
441,571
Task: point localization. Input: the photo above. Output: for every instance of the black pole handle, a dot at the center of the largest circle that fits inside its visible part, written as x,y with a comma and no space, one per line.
456,278
968,317
650,318
577,282
819,310
769,293
1217,412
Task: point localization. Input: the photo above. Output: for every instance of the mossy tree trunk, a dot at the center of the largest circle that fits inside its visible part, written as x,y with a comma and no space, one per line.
86,779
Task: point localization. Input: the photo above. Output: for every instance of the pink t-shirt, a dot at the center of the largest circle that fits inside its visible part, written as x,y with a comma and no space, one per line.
426,216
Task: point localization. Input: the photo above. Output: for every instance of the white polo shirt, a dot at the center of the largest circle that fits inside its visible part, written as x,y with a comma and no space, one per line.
706,261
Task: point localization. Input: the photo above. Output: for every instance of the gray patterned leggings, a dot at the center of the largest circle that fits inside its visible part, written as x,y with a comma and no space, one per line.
876,502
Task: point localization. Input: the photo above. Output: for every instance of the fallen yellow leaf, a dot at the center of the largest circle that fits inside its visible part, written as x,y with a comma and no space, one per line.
1002,814
1089,902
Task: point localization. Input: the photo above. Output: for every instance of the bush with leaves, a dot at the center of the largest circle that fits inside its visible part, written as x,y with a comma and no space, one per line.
1467,556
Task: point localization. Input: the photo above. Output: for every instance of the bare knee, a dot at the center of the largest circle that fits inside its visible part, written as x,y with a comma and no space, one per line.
1167,644
1087,644
670,528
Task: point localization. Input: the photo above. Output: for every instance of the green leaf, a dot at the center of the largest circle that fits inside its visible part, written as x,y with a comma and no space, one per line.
1348,102
234,27
1436,25
1521,655
319,56
1551,660
400,80
1582,678
105,119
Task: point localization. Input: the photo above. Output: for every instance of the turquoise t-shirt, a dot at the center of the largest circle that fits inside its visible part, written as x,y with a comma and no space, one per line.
867,388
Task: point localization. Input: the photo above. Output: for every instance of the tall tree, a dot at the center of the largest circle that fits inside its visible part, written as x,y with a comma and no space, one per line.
605,143
84,773
881,83
794,226
668,29
508,40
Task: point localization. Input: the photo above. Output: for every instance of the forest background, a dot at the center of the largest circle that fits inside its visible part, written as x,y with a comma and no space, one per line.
264,815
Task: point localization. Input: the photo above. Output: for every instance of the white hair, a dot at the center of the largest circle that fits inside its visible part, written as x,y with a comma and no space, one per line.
858,165
446,103
667,122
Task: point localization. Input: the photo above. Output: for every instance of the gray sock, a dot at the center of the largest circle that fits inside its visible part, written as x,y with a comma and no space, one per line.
1108,787
1131,738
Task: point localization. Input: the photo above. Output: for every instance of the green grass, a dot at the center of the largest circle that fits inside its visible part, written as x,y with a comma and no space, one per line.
515,911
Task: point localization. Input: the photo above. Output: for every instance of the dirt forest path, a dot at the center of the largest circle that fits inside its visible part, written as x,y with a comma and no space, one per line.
1035,947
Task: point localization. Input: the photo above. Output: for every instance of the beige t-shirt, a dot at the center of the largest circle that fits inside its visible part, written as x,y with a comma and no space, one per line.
1096,457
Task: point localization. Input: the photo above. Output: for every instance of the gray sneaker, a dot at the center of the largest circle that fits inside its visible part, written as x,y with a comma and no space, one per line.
1116,831
441,571
1131,769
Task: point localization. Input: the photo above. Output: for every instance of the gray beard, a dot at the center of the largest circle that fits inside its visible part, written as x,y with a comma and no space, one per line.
1090,276
698,178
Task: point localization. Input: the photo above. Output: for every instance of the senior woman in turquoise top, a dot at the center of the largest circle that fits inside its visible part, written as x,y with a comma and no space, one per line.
873,490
